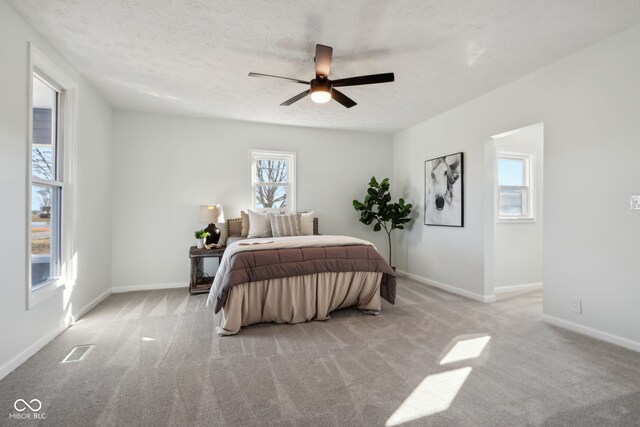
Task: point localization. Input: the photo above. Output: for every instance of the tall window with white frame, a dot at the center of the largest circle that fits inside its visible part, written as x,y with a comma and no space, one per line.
515,189
273,181
47,180
50,183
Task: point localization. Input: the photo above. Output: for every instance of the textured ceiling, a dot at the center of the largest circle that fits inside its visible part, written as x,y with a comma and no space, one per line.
191,57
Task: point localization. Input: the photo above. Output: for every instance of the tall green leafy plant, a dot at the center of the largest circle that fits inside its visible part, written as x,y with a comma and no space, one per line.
378,210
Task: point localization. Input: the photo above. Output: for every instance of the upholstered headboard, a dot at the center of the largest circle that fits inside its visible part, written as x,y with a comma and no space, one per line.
234,227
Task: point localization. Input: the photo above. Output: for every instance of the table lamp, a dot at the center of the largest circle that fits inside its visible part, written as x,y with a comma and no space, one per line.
212,214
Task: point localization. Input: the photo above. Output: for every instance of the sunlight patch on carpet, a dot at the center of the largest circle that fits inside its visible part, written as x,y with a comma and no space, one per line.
466,349
434,394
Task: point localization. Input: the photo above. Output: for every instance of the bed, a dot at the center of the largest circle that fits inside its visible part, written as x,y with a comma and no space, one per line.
296,279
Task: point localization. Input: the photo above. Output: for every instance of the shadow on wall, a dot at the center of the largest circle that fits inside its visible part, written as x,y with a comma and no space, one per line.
404,191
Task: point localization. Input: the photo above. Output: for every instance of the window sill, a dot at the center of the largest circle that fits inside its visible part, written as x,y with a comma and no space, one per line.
44,292
519,220
268,210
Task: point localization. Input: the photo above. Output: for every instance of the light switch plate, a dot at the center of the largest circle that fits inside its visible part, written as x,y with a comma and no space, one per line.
635,202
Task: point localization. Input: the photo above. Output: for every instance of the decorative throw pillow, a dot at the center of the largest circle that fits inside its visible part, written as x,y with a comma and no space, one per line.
285,225
245,224
306,223
259,225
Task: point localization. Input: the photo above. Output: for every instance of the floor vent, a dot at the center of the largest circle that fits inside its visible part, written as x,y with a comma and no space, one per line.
78,353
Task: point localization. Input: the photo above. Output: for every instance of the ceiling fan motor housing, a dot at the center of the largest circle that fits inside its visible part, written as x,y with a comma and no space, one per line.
320,84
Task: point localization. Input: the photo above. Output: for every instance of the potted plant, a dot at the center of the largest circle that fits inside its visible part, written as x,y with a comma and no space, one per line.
378,209
201,237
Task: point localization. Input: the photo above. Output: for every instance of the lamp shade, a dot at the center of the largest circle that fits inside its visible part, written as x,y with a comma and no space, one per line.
211,214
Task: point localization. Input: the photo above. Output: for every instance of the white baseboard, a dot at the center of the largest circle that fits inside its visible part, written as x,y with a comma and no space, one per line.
449,288
25,354
517,288
87,308
153,287
593,333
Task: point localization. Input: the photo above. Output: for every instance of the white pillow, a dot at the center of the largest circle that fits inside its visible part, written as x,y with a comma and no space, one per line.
259,224
306,223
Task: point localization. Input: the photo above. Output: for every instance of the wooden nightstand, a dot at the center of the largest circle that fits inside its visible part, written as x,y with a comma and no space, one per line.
198,283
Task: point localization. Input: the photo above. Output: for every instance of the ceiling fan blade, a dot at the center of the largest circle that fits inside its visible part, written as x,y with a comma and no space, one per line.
342,98
364,80
268,76
323,60
296,98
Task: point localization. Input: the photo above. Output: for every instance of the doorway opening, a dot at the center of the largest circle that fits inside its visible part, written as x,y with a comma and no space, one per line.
514,191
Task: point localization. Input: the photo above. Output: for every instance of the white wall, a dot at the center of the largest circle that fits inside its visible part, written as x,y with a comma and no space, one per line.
589,104
449,255
517,250
166,167
22,332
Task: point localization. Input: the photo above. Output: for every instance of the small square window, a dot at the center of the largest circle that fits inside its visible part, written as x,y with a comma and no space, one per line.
273,181
514,190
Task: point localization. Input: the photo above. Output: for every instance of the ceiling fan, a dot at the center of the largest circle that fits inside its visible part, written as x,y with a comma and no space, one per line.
321,88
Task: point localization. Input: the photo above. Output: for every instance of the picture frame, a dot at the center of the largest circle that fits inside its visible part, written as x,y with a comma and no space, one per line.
444,191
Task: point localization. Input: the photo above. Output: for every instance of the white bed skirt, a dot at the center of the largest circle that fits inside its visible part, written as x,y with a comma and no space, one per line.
299,299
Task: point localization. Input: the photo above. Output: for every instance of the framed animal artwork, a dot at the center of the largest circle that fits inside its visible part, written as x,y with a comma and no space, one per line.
443,191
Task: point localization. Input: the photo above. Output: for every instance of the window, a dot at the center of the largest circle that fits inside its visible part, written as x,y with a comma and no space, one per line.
52,96
46,182
273,177
515,192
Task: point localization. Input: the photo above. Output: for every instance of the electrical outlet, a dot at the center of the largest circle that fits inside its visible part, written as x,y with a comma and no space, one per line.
576,306
635,202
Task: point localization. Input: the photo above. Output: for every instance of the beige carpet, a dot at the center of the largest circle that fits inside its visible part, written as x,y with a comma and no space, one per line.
157,362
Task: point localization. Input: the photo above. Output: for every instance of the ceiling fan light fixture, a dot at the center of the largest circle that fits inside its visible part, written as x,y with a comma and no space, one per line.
321,95
320,90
